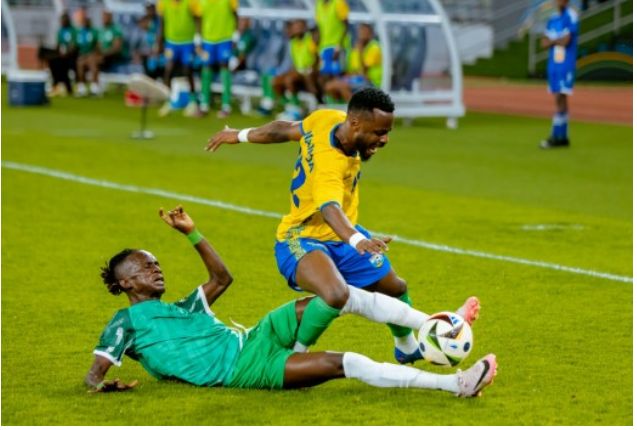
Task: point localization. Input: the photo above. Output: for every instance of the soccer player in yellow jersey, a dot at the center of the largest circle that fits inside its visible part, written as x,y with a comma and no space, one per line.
320,248
176,35
332,20
218,24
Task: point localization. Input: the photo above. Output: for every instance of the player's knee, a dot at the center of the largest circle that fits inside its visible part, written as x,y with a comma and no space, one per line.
395,287
336,296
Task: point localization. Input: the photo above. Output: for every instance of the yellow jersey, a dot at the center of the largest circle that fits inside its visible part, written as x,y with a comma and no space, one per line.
323,174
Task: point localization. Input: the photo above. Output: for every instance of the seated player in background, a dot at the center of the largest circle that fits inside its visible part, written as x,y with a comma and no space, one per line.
185,341
218,25
87,60
145,49
302,76
364,67
244,42
561,39
111,46
62,59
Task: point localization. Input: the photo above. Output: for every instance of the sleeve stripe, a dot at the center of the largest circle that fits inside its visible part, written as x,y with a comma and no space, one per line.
301,128
108,356
204,302
331,202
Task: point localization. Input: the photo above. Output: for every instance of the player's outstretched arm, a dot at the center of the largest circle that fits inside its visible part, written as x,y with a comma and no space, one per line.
220,278
273,132
95,378
335,218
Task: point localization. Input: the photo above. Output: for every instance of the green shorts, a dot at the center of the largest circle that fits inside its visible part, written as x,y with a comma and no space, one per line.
261,362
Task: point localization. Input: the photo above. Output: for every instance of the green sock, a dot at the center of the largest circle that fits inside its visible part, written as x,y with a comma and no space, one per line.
316,318
266,86
226,79
206,80
294,100
396,330
193,97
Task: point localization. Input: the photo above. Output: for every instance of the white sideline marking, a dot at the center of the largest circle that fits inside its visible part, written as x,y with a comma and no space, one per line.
223,205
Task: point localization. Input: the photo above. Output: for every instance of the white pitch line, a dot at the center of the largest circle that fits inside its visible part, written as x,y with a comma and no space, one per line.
249,211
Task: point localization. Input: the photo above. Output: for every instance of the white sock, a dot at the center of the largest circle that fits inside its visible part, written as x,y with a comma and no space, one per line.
299,347
406,344
383,309
388,375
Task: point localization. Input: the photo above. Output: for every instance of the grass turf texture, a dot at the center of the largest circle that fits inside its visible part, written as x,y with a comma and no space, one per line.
564,341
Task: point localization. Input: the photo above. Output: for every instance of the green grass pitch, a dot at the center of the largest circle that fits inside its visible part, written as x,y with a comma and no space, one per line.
563,340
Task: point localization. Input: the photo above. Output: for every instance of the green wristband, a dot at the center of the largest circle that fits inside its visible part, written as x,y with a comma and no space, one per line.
195,237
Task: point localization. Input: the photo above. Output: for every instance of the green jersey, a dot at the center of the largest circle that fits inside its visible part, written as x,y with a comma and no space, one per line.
217,19
86,40
179,19
66,39
246,43
108,35
181,340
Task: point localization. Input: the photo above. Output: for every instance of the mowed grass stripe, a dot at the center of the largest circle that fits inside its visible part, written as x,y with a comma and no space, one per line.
242,209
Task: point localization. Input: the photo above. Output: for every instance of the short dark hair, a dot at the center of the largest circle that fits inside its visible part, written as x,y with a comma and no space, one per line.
108,271
368,99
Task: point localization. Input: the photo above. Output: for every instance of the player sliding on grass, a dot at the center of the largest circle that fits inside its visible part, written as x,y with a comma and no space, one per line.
185,341
320,248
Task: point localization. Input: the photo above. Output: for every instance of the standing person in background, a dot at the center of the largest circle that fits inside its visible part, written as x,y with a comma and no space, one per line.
560,38
364,67
62,59
176,37
332,20
86,40
218,25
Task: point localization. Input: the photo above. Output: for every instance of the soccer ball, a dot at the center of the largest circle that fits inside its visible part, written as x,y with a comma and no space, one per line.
445,339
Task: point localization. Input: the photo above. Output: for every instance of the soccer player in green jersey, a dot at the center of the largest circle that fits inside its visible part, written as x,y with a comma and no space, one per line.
176,36
218,25
185,341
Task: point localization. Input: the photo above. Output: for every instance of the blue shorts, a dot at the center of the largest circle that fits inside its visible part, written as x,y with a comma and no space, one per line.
216,53
561,82
358,82
358,270
183,53
329,66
